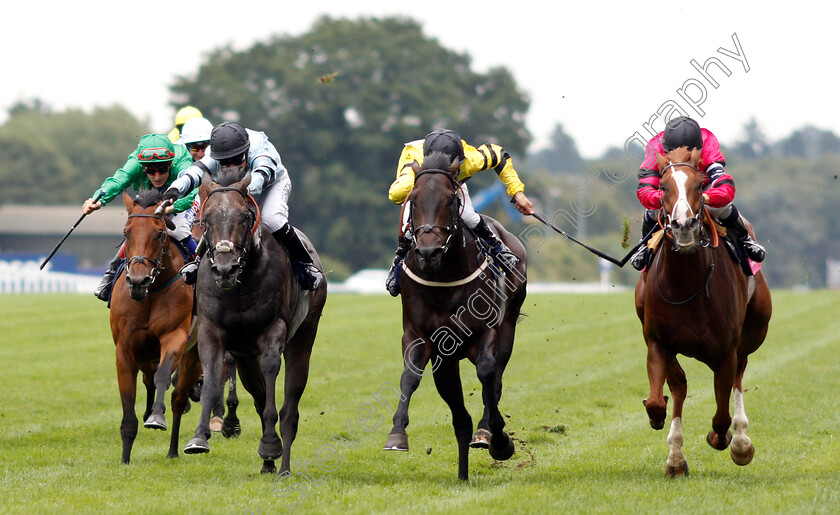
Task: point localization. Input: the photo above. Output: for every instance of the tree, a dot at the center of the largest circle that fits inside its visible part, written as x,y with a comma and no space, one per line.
339,102
61,158
561,155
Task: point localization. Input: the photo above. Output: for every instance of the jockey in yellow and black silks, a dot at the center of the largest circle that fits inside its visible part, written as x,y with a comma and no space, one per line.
473,160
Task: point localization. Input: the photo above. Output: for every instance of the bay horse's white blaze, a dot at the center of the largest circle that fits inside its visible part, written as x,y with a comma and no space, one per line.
741,444
676,460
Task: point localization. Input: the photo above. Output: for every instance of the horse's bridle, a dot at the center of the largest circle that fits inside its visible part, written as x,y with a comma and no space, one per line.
453,223
156,263
223,246
666,224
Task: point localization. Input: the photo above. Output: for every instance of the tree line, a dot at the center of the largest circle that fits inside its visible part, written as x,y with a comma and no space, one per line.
340,101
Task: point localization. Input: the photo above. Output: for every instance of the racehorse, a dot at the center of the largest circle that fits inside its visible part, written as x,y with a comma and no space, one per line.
454,307
251,305
695,301
150,322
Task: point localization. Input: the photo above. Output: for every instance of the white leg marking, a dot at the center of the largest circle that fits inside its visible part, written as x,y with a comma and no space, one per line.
675,442
740,441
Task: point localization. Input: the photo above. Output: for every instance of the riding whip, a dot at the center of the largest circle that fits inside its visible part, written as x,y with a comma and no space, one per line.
615,261
95,199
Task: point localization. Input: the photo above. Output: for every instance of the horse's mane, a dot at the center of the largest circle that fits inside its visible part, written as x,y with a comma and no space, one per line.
147,198
230,175
437,161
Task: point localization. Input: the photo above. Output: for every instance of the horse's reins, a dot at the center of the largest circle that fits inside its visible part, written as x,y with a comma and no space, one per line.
223,246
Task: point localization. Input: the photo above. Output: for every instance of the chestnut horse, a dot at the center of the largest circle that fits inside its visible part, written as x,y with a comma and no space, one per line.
150,322
251,305
695,301
455,308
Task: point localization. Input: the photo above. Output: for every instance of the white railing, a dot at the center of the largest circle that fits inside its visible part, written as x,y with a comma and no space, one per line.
26,277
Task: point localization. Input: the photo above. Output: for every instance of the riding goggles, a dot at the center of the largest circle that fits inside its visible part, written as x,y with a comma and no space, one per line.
156,154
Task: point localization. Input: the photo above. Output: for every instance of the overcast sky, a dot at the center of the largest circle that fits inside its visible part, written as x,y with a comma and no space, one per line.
602,69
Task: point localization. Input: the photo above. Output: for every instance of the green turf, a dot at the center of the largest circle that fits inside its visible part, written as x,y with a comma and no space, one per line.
572,399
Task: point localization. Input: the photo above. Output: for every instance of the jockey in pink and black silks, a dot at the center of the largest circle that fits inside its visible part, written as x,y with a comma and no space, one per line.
718,191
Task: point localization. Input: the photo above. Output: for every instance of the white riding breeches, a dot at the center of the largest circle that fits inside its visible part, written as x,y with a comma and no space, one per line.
274,203
720,213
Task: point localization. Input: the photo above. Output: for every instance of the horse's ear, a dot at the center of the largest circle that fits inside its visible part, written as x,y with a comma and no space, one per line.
204,186
661,162
243,184
416,167
454,166
129,202
695,157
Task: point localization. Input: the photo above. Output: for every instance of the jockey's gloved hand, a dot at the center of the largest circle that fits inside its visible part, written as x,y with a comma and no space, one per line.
255,187
171,194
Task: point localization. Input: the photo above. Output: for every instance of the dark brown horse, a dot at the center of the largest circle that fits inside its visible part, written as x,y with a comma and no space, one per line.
150,322
695,301
455,308
251,305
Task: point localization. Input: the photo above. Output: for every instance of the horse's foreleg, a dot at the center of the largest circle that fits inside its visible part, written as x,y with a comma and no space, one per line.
720,436
297,374
189,371
271,349
150,395
501,446
416,354
171,346
448,383
742,449
676,465
504,349
656,403
210,352
127,380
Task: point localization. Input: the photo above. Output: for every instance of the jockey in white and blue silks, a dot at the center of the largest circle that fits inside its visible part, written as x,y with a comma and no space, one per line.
230,145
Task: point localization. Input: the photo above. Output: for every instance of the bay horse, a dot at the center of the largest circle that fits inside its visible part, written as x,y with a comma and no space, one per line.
150,322
695,300
454,307
251,305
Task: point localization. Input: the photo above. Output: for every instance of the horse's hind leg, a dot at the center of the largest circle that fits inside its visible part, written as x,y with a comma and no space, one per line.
127,380
211,366
656,403
163,379
189,371
448,383
415,355
720,436
742,449
150,394
230,426
676,465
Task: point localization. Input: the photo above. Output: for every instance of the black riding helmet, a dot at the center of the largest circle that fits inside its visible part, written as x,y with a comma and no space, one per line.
682,131
228,139
446,141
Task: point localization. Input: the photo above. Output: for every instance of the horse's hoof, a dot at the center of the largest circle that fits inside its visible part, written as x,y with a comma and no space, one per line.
155,421
216,424
229,431
742,458
481,439
679,471
504,453
715,442
187,407
396,442
268,468
197,446
270,451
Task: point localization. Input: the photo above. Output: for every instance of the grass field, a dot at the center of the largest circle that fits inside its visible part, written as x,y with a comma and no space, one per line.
572,399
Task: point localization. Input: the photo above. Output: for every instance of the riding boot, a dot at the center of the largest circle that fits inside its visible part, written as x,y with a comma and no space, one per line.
498,250
309,275
103,291
393,283
735,223
641,257
190,270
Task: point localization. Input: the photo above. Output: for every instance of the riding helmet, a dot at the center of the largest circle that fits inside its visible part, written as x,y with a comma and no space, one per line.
228,139
682,132
186,113
196,130
155,148
446,141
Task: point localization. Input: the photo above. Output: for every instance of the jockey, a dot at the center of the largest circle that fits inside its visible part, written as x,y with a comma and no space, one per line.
181,117
195,135
718,191
473,160
233,144
153,164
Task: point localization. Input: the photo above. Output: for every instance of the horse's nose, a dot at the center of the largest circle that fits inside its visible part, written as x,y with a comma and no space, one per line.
429,256
226,273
